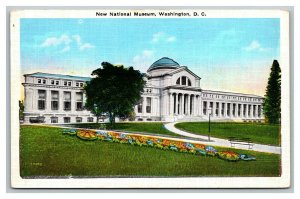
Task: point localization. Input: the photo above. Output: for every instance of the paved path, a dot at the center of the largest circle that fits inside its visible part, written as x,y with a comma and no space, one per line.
222,142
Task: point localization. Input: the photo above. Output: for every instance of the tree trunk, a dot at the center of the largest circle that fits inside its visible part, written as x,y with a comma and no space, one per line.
111,120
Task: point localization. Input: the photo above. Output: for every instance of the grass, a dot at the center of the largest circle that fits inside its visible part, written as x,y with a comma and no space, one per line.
258,133
46,152
141,127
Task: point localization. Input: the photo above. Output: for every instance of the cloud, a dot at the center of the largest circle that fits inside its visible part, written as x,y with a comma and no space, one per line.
143,60
56,41
82,46
86,46
162,37
65,49
171,39
64,41
77,39
255,46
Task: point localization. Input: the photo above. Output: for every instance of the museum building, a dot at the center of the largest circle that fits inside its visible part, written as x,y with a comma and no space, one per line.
172,93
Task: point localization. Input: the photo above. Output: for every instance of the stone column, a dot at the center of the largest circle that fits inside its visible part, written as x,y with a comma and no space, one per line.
225,110
256,111
242,110
219,110
236,109
48,101
251,111
175,103
61,101
182,104
73,101
170,104
200,106
144,105
231,109
213,109
188,104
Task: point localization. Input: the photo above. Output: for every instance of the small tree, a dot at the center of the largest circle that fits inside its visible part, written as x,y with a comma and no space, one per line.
272,102
114,91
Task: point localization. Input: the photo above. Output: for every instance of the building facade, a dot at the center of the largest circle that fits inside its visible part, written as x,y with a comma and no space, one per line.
52,98
172,93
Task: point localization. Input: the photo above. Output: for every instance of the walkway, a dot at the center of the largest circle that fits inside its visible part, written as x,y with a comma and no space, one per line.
222,142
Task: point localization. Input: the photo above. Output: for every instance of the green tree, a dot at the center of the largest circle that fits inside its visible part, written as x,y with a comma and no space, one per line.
114,91
272,102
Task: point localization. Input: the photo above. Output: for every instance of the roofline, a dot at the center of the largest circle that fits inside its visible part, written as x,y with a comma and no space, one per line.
187,69
228,92
55,74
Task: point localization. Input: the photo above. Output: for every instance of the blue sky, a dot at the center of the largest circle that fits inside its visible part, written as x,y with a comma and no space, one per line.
228,54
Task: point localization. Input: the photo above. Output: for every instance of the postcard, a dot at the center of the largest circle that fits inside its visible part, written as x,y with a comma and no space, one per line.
150,98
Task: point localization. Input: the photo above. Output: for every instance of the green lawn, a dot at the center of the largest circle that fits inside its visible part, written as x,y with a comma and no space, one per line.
141,127
46,152
258,132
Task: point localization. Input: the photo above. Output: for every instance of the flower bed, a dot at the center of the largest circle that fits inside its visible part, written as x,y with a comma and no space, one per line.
157,142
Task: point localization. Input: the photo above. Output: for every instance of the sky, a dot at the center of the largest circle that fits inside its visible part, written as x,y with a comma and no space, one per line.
233,54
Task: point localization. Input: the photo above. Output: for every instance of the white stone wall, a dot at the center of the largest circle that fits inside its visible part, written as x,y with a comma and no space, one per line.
31,87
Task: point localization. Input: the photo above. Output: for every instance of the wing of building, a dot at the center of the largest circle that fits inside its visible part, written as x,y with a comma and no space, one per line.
172,93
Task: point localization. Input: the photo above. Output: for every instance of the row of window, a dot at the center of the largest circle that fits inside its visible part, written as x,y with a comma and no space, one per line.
232,109
184,81
250,99
42,100
57,82
148,105
68,119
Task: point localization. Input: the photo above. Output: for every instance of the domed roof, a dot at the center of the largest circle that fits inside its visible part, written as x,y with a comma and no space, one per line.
164,62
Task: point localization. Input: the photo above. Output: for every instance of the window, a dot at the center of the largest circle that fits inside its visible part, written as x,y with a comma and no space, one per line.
41,99
244,110
148,105
233,109
77,84
204,107
65,83
69,83
39,81
78,119
228,109
81,84
54,119
259,111
140,106
249,110
222,109
90,119
67,119
57,82
217,109
52,82
54,100
185,81
67,101
44,81
79,101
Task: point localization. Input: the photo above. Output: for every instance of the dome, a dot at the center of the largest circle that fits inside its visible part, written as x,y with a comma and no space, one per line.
164,62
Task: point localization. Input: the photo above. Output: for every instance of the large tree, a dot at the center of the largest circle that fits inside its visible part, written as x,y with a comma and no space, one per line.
272,102
114,91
